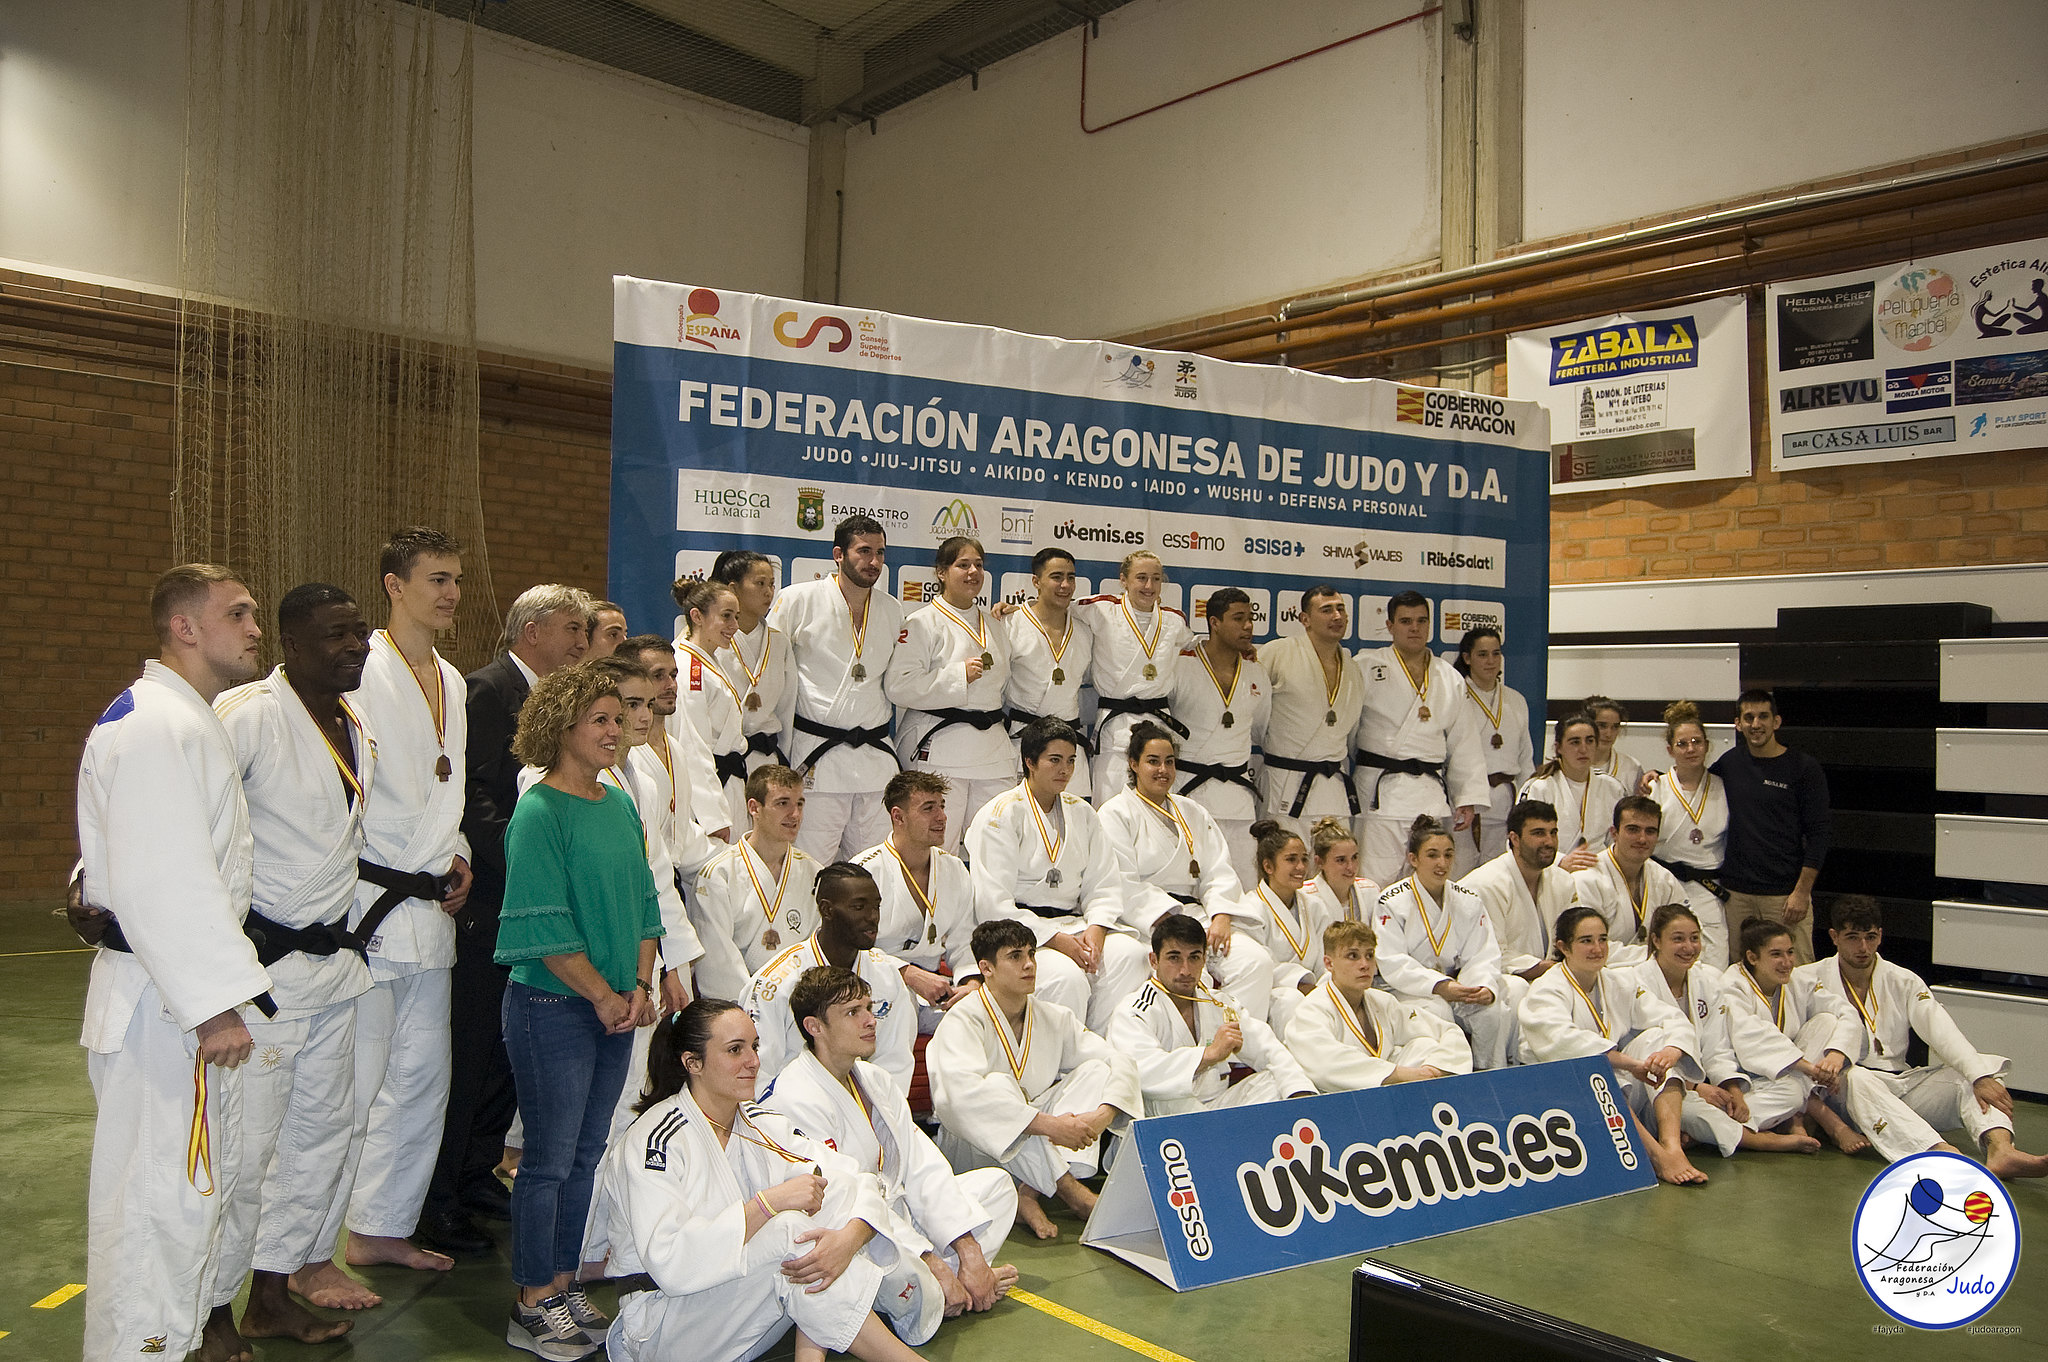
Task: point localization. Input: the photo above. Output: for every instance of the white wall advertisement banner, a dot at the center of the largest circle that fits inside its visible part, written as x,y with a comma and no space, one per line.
1640,397
1914,360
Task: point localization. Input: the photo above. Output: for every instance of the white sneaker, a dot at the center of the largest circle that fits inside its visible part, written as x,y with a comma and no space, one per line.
912,1300
549,1331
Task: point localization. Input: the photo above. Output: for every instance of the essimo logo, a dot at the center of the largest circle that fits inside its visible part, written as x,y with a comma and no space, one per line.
1180,1194
1405,1171
810,337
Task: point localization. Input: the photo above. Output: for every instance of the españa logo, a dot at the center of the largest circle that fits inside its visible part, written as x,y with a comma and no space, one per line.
699,324
810,337
1631,348
1411,405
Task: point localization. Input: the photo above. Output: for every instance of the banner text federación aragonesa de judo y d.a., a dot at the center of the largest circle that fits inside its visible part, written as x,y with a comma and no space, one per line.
744,420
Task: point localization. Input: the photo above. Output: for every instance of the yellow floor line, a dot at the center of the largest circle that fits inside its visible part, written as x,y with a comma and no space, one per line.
1096,1327
59,1296
76,950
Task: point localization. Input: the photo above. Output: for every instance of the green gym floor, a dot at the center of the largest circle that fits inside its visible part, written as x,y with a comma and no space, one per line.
1754,1266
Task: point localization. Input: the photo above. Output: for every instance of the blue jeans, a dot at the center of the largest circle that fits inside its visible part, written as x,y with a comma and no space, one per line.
569,1074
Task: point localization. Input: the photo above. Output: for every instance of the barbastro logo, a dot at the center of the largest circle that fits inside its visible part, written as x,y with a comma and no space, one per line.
1935,1240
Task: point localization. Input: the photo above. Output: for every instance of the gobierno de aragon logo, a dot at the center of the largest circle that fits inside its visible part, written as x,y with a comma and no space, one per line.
1935,1241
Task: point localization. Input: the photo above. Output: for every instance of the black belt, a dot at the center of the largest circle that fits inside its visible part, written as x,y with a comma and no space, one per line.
116,940
1311,772
979,719
628,1284
1024,719
1240,775
274,941
1397,766
1051,912
764,744
1108,707
876,737
1693,874
1184,900
398,886
730,766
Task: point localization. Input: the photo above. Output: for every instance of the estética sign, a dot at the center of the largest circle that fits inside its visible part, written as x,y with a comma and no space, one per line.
1214,1196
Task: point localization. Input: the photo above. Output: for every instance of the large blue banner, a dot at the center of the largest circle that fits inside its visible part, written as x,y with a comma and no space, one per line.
739,419
1218,1195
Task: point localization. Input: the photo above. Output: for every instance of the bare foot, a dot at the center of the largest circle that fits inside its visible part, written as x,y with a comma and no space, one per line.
1075,1197
1006,1277
328,1287
272,1313
1033,1216
367,1250
1673,1167
1847,1138
1791,1142
220,1341
2009,1163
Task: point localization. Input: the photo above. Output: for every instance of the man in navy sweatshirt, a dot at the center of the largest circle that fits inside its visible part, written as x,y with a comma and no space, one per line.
1777,824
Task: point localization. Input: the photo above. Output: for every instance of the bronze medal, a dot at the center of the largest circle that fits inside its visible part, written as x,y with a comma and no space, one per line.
1330,718
860,673
770,939
1059,676
1052,877
1497,742
931,933
1194,869
1698,837
1229,719
442,769
1151,673
988,660
1422,713
753,699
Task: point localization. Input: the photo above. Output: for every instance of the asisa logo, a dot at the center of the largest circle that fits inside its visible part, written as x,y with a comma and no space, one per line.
818,328
1936,1240
699,323
1181,1195
1454,1160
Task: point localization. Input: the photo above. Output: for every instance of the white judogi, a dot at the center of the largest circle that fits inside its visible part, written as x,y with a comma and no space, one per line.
1627,911
1807,1020
1127,642
1771,1100
412,822
1585,809
1150,1029
164,833
844,813
933,1205
1624,769
689,848
1938,1095
1522,924
1215,756
1390,724
766,999
1326,1038
670,1202
709,704
1501,718
1032,690
915,936
1289,935
298,1102
746,914
988,1083
1694,833
1423,943
1557,1021
1299,731
928,672
1015,852
762,667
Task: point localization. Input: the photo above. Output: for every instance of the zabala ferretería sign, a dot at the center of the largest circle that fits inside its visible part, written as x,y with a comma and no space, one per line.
1215,1196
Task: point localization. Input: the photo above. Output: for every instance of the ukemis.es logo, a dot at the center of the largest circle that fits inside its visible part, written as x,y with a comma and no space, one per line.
1935,1240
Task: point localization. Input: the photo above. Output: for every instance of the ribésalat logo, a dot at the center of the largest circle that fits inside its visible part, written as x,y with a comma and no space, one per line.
1404,1171
698,322
1936,1240
1452,409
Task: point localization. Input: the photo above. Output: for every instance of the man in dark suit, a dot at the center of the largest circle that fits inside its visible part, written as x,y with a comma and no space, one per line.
546,628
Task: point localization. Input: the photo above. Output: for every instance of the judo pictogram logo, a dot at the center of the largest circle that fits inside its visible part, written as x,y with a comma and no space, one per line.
1935,1240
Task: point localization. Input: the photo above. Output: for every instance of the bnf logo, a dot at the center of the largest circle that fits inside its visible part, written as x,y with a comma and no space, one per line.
1936,1241
1180,1194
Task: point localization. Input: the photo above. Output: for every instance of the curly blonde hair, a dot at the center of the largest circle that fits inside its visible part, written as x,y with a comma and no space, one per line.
558,701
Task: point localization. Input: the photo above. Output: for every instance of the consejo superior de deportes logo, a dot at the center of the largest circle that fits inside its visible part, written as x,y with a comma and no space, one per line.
1935,1241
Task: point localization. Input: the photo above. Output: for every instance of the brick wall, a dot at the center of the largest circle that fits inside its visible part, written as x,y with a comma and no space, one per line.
86,406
